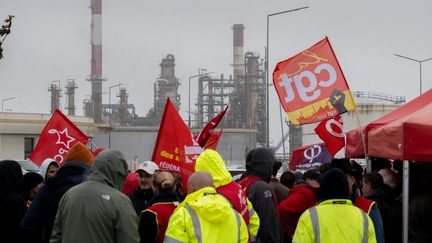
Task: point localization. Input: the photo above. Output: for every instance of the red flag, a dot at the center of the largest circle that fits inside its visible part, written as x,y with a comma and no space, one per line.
175,147
205,134
213,140
331,132
310,156
311,85
57,137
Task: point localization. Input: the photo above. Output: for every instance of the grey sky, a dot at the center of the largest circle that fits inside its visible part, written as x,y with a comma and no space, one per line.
50,40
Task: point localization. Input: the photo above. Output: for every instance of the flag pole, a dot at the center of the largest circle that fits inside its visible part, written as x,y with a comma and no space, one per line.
93,144
368,165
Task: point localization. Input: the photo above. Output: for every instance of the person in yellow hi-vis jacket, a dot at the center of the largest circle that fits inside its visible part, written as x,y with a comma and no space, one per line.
212,162
205,216
335,218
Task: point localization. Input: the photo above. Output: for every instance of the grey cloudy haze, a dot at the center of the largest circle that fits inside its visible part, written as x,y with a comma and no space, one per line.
50,40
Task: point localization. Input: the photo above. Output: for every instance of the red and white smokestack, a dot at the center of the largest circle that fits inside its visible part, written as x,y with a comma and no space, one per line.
96,59
238,59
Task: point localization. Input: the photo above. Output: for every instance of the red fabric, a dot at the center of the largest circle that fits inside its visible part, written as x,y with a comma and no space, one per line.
131,183
57,137
235,194
414,115
405,138
331,132
354,144
206,133
299,199
310,156
248,181
175,149
213,140
364,204
163,212
311,85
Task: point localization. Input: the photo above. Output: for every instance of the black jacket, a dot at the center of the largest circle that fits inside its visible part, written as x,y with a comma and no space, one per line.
38,222
391,214
12,203
140,198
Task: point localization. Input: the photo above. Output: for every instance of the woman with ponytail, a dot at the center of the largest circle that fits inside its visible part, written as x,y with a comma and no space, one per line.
154,219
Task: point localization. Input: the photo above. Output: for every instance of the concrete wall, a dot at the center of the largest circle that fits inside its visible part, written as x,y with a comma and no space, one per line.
137,143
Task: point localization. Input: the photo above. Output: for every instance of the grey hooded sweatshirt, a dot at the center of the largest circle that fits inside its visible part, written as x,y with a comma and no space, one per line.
97,210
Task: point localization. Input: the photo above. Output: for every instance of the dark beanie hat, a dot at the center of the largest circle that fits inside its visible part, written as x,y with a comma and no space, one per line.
342,164
334,185
31,180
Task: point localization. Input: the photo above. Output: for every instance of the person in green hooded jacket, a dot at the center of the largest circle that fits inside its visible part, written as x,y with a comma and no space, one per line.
97,210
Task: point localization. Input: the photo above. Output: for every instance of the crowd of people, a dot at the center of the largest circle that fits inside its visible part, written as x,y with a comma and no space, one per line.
92,198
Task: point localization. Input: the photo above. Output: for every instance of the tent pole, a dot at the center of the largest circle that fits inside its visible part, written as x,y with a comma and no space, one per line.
405,200
368,164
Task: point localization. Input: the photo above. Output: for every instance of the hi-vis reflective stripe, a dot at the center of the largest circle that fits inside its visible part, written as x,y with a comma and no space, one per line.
197,226
365,227
315,225
171,240
195,222
238,225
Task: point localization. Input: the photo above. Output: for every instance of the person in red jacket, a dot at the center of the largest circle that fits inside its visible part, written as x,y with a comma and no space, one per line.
154,219
300,198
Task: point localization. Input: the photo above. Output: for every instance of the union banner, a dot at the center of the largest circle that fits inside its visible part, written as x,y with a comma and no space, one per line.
311,85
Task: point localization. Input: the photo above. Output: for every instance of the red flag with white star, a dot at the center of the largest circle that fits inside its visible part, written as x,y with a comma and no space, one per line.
57,137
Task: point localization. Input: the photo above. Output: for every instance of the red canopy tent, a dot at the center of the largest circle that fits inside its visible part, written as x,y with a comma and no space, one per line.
405,139
402,134
354,144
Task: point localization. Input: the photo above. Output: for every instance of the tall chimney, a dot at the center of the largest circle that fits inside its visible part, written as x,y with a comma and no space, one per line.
238,57
55,89
96,60
70,96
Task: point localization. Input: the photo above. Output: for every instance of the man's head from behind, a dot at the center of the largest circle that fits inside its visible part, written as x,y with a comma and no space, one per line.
199,180
334,185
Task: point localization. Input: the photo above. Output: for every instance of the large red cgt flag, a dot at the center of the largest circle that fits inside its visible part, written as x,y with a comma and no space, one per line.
311,85
57,137
175,149
206,132
308,157
331,132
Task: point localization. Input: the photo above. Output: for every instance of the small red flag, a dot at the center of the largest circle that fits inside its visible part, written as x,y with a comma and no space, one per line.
331,132
308,157
175,149
206,132
57,137
213,140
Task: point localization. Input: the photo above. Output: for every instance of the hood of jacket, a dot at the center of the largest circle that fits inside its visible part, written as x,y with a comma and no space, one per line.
110,168
11,178
212,162
259,162
211,206
44,167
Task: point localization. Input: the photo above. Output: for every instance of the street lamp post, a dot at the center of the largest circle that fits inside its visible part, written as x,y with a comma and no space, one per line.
189,95
418,61
3,100
109,114
267,70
